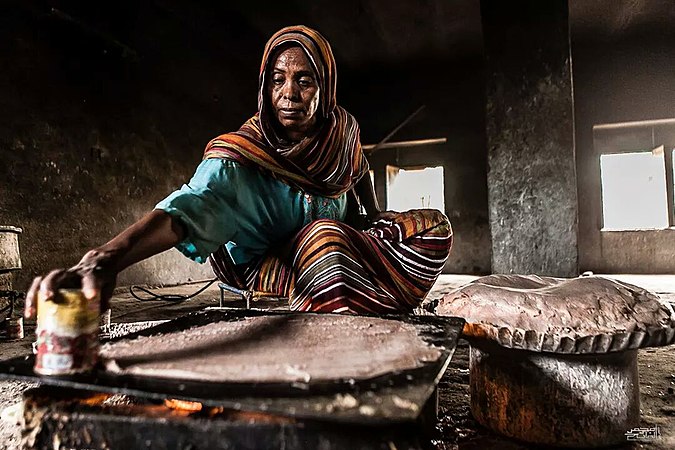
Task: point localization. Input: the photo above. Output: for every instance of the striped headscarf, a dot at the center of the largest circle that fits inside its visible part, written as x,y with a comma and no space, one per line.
326,163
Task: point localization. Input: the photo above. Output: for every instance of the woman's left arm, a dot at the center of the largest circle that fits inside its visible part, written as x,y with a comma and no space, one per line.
366,193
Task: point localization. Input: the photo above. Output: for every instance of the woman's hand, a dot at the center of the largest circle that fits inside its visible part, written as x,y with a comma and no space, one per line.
365,192
384,215
97,271
94,274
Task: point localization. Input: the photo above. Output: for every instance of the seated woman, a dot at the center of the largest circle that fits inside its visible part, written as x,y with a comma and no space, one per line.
267,206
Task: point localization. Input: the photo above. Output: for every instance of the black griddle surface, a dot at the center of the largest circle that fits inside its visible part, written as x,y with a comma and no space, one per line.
394,396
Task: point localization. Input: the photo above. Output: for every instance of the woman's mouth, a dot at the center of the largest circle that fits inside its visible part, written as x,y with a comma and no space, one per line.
291,112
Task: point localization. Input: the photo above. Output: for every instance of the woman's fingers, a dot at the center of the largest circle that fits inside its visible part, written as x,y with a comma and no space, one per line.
59,279
30,310
51,282
91,285
91,279
45,286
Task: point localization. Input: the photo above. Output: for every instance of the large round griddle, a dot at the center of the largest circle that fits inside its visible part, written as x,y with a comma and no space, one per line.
291,348
392,397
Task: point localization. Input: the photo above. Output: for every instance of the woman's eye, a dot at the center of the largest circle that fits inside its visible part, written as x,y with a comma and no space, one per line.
305,82
277,81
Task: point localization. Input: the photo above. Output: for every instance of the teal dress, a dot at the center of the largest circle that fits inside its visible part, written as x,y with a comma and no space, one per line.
243,208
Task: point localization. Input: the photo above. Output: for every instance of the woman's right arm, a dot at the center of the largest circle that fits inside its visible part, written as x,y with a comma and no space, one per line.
97,271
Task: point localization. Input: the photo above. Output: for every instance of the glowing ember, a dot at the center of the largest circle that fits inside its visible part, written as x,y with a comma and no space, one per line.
183,405
95,399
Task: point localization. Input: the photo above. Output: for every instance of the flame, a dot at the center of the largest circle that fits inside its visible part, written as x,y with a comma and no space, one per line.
183,405
184,408
476,330
95,399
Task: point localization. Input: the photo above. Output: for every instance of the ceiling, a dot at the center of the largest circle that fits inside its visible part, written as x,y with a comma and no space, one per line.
405,53
362,32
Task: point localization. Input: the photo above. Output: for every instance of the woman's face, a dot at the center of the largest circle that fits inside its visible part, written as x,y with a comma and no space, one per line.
294,92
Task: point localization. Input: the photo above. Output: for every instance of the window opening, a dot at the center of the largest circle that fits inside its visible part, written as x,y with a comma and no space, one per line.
415,188
634,190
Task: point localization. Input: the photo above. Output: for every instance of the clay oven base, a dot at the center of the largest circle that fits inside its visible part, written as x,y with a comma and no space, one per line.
579,315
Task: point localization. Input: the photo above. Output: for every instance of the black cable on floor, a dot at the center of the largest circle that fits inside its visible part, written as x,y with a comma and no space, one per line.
174,298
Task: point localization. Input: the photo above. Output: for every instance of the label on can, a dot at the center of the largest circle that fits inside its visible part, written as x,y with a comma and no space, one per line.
53,361
67,333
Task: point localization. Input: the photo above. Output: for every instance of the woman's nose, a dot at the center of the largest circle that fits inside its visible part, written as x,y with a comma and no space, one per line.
290,91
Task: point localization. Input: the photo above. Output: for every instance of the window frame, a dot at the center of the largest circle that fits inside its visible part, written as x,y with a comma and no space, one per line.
391,168
631,137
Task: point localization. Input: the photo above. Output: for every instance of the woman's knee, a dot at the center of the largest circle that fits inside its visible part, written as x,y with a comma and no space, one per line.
323,225
320,231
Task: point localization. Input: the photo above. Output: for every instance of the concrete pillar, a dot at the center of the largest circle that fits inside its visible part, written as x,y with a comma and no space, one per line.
532,188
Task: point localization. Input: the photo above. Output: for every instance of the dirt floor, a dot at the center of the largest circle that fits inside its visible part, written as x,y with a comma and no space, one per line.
455,429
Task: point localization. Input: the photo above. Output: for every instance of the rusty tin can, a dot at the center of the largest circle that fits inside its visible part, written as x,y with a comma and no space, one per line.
67,333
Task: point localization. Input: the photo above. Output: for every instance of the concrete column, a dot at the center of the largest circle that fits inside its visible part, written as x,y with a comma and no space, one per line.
532,188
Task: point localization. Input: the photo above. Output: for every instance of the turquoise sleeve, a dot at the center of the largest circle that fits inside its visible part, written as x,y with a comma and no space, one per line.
205,207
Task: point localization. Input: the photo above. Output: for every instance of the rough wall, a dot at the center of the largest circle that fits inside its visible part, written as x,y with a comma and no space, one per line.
530,134
94,132
624,61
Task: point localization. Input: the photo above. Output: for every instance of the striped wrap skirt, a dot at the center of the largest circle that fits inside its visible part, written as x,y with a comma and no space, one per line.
331,267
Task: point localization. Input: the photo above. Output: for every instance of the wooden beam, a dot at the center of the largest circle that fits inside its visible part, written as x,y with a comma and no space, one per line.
400,144
640,123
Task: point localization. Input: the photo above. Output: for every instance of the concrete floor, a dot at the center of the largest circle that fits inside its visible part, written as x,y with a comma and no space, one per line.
455,429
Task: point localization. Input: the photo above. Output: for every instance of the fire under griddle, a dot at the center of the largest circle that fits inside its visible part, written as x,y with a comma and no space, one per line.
365,413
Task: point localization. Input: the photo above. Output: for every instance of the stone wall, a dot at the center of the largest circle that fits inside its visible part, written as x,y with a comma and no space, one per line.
94,132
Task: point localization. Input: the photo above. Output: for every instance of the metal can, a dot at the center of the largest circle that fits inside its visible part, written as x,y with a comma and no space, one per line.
67,333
